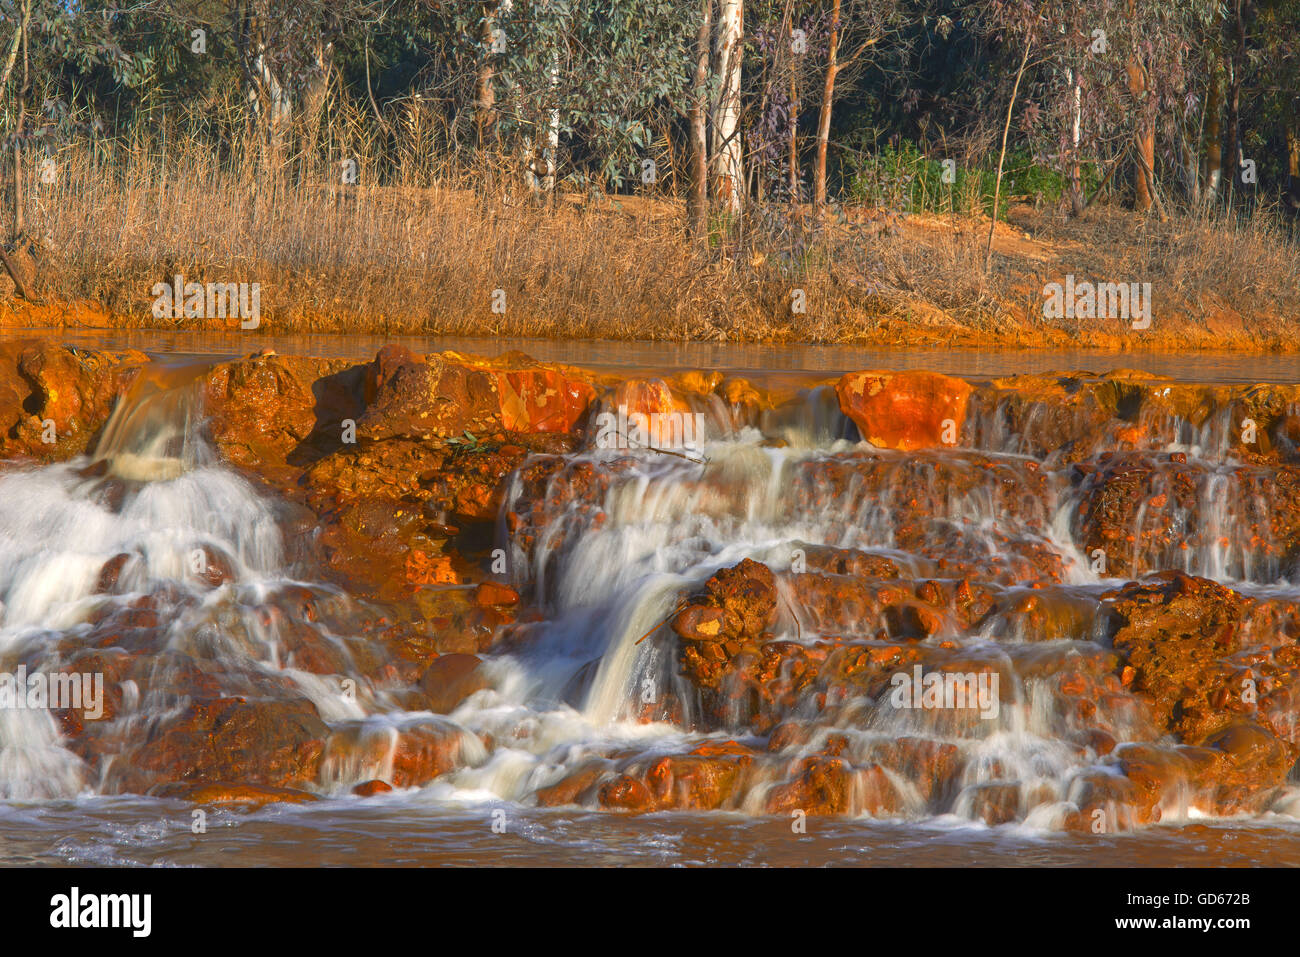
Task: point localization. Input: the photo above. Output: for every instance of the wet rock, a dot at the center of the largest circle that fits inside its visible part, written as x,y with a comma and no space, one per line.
993,803
210,566
577,788
110,572
1173,631
490,594
700,623
822,785
277,743
409,755
933,767
1068,416
425,752
369,545
1109,803
541,399
851,562
450,679
426,398
923,502
747,595
647,397
371,788
703,780
439,621
1145,512
262,412
57,392
227,793
626,793
446,396
905,410
1256,763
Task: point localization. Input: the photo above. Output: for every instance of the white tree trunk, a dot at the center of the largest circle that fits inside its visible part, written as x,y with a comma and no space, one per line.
552,128
270,101
542,163
726,121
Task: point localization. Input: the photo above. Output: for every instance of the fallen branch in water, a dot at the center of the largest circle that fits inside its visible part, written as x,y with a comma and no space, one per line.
680,606
655,448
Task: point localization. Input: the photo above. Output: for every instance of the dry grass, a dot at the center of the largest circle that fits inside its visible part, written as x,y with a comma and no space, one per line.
412,257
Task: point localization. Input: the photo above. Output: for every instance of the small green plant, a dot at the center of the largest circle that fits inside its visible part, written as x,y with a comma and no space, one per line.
903,179
466,442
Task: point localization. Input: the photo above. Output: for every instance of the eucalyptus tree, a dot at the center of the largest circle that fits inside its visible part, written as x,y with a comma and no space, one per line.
56,40
581,86
1103,78
856,28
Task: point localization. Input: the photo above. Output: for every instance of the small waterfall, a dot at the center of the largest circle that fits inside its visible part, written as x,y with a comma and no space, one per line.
982,546
147,524
152,432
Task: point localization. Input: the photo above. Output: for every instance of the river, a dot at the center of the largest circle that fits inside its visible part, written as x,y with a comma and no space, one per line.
666,527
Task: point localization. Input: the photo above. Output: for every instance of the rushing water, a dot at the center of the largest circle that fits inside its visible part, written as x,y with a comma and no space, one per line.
154,492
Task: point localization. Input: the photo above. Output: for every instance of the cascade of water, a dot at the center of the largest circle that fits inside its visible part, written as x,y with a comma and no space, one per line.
152,520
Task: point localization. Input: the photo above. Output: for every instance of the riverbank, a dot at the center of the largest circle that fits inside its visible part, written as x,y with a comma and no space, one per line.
398,260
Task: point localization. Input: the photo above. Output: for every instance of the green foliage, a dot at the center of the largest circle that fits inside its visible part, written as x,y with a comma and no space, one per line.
905,180
468,442
609,71
616,76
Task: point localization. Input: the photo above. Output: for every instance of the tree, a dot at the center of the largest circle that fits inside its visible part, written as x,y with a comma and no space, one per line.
697,206
727,152
51,36
865,25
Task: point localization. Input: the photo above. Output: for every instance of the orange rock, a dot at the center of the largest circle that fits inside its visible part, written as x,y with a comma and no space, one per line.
491,593
409,756
904,410
44,383
700,623
262,742
425,752
450,680
695,782
822,785
1172,629
626,794
646,396
226,793
541,400
371,788
423,569
994,803
724,749
572,789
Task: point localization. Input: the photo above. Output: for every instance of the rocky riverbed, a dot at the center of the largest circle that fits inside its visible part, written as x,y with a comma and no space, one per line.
305,578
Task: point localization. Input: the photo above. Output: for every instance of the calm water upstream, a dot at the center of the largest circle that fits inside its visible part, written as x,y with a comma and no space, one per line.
750,359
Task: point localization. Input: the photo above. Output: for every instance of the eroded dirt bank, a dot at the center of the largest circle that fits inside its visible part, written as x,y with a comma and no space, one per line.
1116,550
